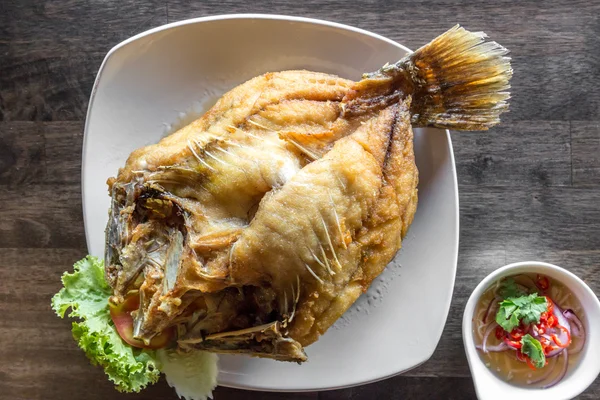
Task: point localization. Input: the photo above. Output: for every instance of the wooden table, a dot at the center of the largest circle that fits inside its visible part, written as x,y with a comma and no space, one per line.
529,189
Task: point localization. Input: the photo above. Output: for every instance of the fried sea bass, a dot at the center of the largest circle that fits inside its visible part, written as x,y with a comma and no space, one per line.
254,228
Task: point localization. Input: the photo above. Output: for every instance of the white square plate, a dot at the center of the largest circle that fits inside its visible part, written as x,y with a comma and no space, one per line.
151,81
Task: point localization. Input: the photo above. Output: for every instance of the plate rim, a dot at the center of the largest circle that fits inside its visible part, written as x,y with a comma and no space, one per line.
313,21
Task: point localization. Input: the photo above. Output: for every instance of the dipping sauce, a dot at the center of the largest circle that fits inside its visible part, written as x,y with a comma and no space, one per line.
528,331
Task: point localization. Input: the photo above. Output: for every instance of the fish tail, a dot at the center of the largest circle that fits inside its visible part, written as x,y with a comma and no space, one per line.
458,81
461,81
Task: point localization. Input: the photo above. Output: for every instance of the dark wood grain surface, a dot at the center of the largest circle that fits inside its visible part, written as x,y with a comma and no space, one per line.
529,189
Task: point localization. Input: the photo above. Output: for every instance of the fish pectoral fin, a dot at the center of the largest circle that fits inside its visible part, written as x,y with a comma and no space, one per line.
215,240
310,145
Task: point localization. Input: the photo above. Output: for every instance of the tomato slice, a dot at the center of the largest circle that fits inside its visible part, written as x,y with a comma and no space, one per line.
121,316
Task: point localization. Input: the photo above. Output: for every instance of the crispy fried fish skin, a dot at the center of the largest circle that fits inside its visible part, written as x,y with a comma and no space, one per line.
253,229
335,225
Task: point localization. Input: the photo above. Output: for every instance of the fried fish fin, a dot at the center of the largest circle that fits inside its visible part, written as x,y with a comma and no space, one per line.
457,81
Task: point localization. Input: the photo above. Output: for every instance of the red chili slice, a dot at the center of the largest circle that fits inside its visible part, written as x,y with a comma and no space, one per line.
557,340
529,363
546,345
513,344
543,282
550,305
516,334
499,333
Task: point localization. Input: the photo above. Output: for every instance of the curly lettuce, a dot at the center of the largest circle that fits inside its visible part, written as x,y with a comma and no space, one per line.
86,293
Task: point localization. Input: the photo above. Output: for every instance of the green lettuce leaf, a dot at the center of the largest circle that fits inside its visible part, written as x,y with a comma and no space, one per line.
86,293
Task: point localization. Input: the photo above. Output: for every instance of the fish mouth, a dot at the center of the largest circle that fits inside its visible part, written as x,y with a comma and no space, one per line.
145,227
149,252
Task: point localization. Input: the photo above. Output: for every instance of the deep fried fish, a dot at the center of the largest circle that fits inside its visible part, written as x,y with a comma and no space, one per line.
254,228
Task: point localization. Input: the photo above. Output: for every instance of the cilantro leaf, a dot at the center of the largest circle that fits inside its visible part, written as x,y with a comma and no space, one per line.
506,317
527,309
533,348
509,288
532,308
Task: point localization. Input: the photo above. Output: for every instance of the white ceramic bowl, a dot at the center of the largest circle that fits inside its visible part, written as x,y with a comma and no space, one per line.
488,386
150,81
